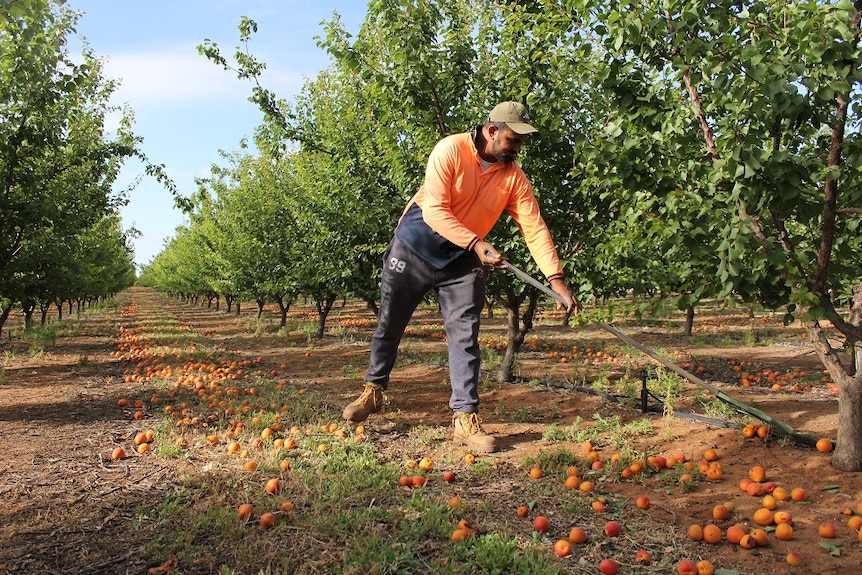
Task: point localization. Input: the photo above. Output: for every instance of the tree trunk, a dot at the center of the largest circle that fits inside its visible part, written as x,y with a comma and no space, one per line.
260,303
43,310
372,305
229,301
4,315
848,449
689,320
323,308
59,311
516,329
283,307
28,309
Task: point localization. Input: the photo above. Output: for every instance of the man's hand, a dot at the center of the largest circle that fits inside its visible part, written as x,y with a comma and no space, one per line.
574,306
488,255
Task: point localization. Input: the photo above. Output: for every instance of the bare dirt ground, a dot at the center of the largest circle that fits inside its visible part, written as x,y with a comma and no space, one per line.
66,508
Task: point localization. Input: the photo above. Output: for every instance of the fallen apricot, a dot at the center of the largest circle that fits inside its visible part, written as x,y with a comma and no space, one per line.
245,511
720,513
747,541
273,486
267,520
712,534
763,516
824,445
577,535
563,548
784,531
735,533
757,474
798,494
686,567
795,558
760,537
694,532
541,524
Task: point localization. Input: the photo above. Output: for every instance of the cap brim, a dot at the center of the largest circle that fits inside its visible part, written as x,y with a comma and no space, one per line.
521,128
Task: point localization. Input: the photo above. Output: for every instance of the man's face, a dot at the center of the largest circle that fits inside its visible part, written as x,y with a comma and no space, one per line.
506,144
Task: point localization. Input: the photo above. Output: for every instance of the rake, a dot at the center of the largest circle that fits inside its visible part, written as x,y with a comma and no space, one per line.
782,427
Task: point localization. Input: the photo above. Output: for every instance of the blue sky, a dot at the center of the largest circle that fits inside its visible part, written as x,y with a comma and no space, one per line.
186,108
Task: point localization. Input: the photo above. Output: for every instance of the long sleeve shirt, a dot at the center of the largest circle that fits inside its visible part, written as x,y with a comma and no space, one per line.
459,203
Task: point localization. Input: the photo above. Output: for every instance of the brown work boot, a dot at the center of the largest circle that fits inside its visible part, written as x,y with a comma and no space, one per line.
468,430
371,401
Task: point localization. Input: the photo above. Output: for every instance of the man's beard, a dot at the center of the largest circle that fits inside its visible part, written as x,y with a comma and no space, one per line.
505,157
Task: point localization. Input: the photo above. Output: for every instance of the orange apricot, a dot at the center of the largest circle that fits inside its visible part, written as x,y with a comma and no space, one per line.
824,445
245,511
763,516
735,533
760,537
720,513
577,535
273,486
755,489
714,472
747,541
782,517
781,494
784,531
695,532
541,524
267,520
563,548
757,474
712,533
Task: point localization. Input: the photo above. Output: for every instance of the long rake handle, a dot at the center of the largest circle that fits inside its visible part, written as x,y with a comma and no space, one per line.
784,427
608,327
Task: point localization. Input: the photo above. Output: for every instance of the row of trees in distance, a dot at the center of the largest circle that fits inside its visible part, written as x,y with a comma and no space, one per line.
61,236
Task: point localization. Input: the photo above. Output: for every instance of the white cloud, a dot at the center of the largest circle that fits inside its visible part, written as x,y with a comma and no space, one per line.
169,77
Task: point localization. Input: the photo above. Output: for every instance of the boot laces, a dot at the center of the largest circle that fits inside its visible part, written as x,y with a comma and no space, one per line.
370,392
472,423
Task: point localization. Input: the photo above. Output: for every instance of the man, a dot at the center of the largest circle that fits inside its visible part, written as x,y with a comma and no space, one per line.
439,244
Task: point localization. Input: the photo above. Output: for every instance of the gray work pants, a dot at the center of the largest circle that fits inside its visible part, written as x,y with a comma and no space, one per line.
460,288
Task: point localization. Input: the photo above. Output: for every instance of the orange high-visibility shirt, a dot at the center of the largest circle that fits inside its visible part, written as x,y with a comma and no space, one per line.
461,203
